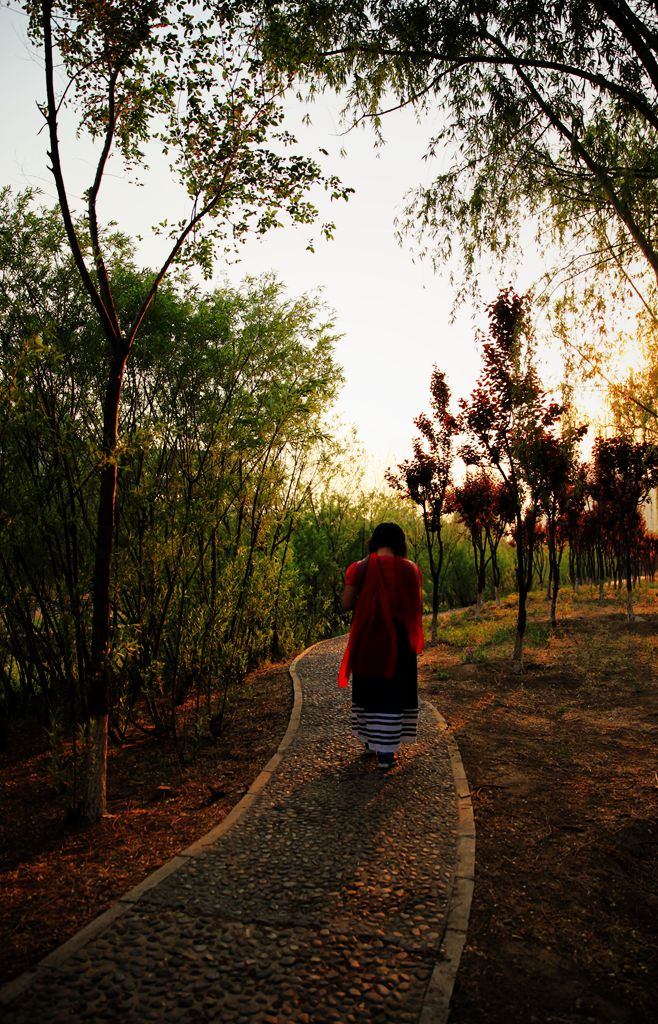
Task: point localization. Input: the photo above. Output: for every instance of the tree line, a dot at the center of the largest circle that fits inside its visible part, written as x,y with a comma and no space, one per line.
224,439
234,518
551,112
191,83
524,477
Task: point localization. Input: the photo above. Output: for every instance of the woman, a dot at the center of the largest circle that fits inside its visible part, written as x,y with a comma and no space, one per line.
385,591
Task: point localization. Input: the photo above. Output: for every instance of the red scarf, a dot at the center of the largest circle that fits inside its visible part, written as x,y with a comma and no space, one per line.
372,644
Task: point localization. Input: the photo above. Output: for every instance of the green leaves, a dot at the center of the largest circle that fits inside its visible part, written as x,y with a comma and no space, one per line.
192,81
224,431
546,111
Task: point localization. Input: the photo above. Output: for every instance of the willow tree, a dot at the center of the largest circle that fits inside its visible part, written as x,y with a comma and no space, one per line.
549,109
141,79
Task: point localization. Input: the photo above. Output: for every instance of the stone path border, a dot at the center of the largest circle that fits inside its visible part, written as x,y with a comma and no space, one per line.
435,1003
436,1006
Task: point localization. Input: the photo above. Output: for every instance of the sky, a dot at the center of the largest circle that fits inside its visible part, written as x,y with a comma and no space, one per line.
392,310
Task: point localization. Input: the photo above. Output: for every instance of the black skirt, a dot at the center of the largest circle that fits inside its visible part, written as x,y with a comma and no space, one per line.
385,711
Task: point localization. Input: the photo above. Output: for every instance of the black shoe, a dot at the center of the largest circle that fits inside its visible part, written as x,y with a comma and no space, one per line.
385,761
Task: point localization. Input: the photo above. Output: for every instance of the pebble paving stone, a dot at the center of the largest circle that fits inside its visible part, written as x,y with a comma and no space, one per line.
325,902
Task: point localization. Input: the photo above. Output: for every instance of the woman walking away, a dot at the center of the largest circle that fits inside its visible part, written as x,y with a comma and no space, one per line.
385,591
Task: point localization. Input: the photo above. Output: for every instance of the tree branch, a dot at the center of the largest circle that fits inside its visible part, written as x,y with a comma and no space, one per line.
611,384
101,269
54,154
631,27
620,207
173,253
632,97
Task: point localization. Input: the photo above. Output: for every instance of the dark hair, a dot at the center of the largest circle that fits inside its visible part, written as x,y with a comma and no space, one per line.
388,535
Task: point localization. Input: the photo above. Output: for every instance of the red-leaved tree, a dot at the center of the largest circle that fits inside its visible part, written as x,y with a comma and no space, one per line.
555,468
623,472
503,420
474,503
572,523
500,519
425,478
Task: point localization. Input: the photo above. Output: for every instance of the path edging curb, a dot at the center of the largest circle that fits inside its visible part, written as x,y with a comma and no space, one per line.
53,960
436,1004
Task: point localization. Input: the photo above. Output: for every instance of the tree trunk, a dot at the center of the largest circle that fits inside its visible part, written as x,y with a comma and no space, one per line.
521,556
521,620
436,564
435,606
495,571
94,764
480,569
555,571
553,575
517,660
630,613
93,770
601,572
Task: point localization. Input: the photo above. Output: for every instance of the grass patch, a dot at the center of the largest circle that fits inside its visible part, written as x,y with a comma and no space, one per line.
592,641
474,656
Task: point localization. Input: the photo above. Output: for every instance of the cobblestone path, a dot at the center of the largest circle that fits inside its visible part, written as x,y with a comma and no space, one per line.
325,902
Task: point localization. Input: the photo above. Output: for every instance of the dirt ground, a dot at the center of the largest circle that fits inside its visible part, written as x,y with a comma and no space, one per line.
54,880
562,766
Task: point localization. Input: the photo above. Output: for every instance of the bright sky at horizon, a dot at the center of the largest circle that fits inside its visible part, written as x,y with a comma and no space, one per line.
394,313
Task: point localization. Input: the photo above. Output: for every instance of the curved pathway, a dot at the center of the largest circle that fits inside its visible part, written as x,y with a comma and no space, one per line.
334,892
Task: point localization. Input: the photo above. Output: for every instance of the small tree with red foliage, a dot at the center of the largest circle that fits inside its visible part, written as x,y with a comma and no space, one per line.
554,466
503,419
571,523
598,527
474,503
539,553
649,555
623,473
425,478
502,517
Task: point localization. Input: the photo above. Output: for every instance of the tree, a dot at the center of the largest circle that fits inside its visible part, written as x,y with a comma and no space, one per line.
550,110
223,438
501,518
623,473
473,501
554,461
425,478
192,80
503,420
572,522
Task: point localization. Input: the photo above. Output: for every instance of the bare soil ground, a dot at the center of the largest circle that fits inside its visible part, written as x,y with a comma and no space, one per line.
562,765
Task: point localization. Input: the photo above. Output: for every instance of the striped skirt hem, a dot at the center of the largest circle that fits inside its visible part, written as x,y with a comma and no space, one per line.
385,731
